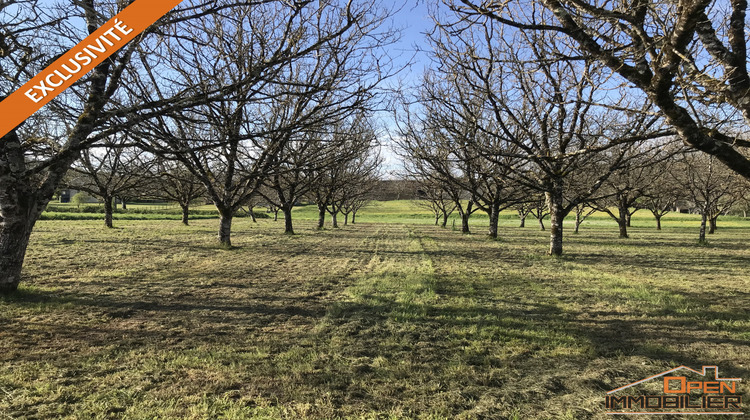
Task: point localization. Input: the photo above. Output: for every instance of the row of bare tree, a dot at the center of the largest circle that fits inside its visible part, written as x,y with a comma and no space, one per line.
525,97
335,169
682,181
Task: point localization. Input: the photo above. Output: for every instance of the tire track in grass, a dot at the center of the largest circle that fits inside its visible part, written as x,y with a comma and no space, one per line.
416,342
381,348
399,270
495,338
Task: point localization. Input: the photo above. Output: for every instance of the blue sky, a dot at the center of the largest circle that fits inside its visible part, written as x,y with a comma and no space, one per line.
413,19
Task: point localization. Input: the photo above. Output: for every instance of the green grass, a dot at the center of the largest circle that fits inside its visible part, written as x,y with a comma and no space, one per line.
396,211
376,320
68,211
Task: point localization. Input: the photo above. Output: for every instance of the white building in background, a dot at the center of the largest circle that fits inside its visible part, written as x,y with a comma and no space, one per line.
66,196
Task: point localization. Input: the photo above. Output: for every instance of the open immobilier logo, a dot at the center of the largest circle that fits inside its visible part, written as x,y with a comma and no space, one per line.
681,391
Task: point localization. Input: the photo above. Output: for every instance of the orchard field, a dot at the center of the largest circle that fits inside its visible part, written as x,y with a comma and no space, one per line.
389,318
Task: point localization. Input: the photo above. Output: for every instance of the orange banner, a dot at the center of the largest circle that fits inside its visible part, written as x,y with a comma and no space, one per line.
81,59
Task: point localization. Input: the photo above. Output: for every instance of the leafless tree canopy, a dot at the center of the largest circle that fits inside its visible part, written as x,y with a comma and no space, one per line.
110,171
688,58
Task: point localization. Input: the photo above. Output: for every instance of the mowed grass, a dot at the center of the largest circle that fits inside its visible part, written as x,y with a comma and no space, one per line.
375,320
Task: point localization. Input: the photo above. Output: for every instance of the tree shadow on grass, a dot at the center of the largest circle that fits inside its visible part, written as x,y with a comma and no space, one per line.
544,328
681,263
378,344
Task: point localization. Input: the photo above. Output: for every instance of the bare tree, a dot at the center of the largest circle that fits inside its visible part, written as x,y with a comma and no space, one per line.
540,109
583,211
524,209
271,207
743,202
357,203
540,209
123,90
362,176
711,186
432,196
294,174
664,191
234,143
110,171
174,182
308,156
444,143
627,187
430,159
35,157
353,159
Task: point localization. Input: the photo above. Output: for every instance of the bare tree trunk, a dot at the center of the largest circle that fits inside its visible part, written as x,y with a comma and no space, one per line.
335,222
557,215
185,214
465,222
622,221
541,223
276,215
658,222
702,234
14,239
251,213
437,219
124,204
623,226
21,205
346,219
628,216
354,216
225,228
523,220
578,221
712,225
21,208
321,216
445,220
494,220
108,211
288,226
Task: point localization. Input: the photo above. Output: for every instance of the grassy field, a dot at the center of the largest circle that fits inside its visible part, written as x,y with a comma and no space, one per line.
376,320
397,211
